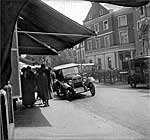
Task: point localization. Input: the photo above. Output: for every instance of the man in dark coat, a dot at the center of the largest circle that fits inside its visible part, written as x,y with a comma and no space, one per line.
28,87
44,84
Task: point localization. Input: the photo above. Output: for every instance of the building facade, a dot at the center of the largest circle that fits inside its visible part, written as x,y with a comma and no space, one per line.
115,42
142,30
80,53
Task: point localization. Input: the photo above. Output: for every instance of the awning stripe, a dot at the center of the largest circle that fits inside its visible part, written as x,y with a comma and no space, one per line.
55,34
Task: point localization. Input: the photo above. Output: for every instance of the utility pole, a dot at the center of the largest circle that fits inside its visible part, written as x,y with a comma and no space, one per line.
81,59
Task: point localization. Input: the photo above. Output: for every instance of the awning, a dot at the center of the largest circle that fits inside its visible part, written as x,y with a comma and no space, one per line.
128,3
50,26
9,13
30,45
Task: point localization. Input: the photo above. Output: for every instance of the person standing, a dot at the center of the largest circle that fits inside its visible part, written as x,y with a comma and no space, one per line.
44,84
52,78
28,87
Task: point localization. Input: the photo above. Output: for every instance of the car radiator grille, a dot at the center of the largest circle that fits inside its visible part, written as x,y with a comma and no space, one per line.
79,84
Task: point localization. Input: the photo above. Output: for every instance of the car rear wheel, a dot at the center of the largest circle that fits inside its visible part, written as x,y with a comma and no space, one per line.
147,81
92,89
133,83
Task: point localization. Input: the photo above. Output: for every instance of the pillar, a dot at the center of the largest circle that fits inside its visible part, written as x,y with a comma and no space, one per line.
15,75
131,53
116,60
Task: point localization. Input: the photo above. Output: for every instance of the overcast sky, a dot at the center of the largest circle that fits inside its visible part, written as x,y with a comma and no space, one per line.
75,9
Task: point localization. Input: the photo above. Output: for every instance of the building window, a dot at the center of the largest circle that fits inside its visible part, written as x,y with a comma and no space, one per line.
122,20
105,25
123,35
99,64
89,27
89,45
138,25
78,55
97,42
90,61
109,63
96,27
142,11
90,16
101,12
107,40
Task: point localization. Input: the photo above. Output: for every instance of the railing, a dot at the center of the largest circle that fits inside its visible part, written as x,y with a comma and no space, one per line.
110,76
7,113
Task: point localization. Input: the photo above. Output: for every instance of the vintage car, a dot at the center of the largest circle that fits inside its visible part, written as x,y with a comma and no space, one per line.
69,82
139,71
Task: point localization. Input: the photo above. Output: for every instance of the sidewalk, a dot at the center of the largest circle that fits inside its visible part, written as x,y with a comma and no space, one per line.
64,121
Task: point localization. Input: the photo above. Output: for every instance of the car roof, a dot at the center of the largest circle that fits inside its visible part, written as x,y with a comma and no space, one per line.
87,64
65,66
141,58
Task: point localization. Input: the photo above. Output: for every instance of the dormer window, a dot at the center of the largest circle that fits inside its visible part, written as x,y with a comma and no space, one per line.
96,27
101,12
90,16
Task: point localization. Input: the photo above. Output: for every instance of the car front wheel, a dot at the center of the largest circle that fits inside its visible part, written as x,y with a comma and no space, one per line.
69,94
92,89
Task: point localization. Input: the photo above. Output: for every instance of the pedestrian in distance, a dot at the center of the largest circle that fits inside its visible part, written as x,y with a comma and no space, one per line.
44,84
51,82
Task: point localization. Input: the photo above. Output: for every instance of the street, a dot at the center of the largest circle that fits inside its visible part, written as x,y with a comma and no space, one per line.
122,105
116,113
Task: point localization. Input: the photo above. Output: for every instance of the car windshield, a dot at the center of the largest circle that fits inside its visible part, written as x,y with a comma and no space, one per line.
70,71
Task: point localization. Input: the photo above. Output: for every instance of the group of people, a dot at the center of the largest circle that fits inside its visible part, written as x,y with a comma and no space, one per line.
39,81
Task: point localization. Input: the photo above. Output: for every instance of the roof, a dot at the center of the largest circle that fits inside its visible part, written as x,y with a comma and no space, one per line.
128,3
50,26
65,66
95,11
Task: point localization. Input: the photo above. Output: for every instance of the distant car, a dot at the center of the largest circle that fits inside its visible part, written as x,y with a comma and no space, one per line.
69,82
139,71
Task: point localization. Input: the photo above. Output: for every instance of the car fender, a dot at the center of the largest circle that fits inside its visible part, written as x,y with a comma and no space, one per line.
65,85
132,77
